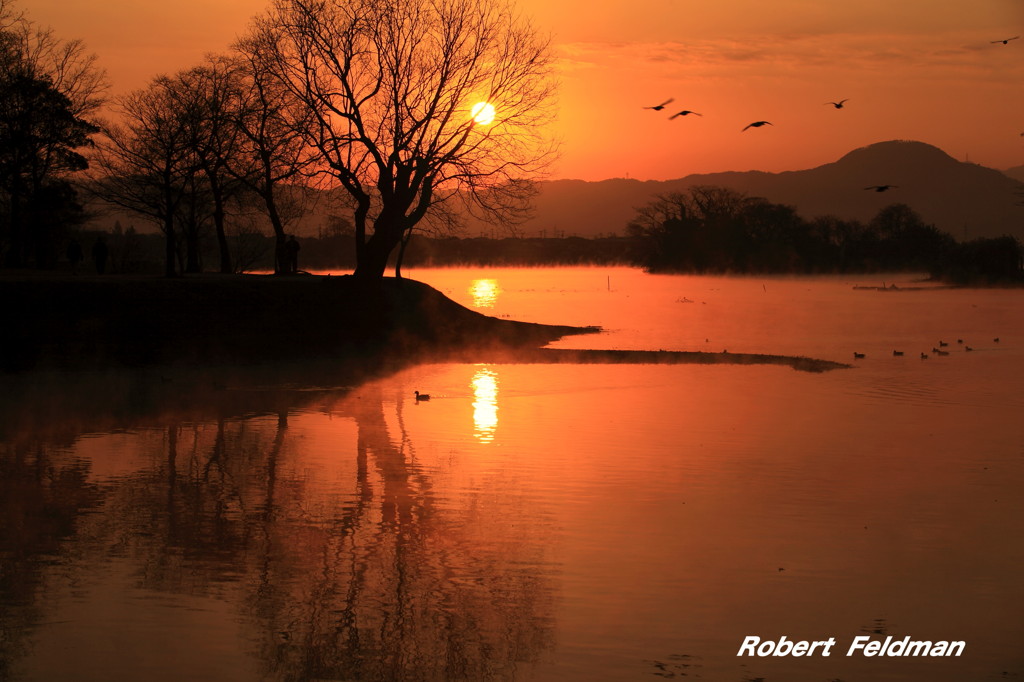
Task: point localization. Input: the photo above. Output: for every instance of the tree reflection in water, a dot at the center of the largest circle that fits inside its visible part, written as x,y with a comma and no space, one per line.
363,571
42,492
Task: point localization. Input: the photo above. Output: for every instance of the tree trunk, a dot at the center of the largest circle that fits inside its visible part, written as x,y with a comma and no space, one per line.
280,250
373,259
407,235
222,239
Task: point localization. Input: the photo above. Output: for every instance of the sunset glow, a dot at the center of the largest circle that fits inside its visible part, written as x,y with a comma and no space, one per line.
484,292
482,113
485,404
921,70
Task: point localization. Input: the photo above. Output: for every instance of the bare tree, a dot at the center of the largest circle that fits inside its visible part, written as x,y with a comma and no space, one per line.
66,64
213,91
193,216
275,126
175,156
416,103
146,163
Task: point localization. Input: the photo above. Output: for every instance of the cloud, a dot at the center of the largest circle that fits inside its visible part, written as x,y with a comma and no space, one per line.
945,54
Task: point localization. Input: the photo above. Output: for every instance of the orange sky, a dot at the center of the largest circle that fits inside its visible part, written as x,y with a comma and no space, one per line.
912,69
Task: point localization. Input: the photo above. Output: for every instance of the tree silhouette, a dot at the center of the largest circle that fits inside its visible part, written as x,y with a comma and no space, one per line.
146,163
392,84
907,241
716,229
65,63
216,139
274,125
997,260
48,90
194,148
39,136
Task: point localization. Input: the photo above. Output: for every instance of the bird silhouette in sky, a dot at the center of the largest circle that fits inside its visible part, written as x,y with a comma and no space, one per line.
757,124
662,105
685,112
881,188
839,104
1004,41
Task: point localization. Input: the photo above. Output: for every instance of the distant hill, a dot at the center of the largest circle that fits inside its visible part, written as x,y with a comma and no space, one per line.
964,199
1017,173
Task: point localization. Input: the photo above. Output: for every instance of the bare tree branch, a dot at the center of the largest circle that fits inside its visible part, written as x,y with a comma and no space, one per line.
146,163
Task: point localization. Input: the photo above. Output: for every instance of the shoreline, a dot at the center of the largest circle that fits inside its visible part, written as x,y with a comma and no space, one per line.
585,356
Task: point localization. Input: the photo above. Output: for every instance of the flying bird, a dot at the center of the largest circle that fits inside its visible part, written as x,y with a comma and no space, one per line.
685,112
1004,41
881,188
839,104
662,105
757,124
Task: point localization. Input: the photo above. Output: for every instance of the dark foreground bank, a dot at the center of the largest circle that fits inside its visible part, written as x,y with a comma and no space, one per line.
82,322
97,323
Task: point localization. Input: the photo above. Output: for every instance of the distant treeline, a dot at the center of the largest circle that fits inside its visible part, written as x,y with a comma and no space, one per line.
707,230
132,252
718,230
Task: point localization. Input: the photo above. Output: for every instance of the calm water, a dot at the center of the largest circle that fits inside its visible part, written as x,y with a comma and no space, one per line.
539,522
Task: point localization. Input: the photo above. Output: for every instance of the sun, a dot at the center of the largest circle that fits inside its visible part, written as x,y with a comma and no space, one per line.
482,113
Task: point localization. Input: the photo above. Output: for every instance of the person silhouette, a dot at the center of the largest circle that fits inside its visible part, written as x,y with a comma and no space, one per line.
292,254
99,255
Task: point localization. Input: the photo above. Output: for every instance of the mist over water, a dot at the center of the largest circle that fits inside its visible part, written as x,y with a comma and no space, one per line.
536,521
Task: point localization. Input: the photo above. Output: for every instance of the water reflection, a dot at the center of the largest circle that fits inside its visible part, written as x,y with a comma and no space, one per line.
323,516
484,292
43,491
277,528
485,404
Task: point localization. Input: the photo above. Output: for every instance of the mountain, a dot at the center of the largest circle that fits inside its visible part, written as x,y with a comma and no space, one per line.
964,199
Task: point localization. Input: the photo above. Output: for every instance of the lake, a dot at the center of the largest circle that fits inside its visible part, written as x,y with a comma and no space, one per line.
540,521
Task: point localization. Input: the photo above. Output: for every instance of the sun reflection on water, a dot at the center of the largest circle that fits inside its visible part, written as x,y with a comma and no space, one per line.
484,292
485,404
